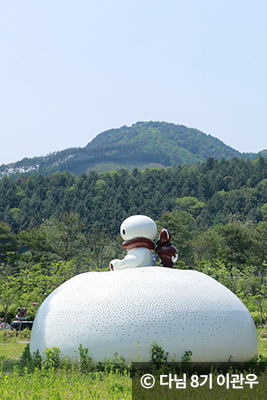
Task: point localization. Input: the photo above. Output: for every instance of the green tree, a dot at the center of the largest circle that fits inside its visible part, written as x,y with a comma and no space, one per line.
9,287
264,211
190,204
205,245
101,248
8,245
236,244
67,236
37,242
259,248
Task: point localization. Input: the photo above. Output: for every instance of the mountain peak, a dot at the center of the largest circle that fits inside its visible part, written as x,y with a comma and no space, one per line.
142,145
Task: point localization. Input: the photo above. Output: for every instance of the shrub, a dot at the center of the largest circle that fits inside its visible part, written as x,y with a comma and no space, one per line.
24,335
7,335
85,360
11,313
112,364
186,358
25,358
28,362
157,354
256,318
51,358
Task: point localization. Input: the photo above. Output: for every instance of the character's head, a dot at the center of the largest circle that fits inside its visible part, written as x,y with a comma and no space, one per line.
164,236
138,226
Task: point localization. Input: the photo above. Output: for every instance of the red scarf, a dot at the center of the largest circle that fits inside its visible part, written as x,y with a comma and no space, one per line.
138,242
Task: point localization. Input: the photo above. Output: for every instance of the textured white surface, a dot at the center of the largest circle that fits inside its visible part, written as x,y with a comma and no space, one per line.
109,311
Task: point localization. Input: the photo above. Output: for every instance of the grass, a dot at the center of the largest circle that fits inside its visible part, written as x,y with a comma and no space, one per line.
62,384
11,349
21,379
262,341
24,380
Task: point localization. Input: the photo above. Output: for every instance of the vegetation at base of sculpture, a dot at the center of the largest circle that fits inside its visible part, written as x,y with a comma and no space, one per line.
52,359
53,378
24,377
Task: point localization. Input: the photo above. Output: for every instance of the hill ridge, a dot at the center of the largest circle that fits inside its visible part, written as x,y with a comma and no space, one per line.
141,145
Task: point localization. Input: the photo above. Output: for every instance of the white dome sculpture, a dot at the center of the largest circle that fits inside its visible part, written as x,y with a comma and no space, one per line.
109,312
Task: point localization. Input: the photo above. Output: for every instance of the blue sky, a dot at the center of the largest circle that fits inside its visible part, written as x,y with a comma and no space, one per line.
72,69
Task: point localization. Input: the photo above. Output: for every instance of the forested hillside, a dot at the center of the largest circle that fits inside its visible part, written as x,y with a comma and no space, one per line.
143,145
176,144
53,227
227,190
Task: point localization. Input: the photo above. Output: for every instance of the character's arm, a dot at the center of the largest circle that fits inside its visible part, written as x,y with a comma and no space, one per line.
130,260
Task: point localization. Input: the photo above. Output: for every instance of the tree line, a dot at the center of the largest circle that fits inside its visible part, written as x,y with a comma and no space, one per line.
235,189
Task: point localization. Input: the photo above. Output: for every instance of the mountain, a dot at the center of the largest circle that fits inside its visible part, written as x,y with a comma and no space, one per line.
143,145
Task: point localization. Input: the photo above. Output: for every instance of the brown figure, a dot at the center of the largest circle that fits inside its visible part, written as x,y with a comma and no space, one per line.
168,254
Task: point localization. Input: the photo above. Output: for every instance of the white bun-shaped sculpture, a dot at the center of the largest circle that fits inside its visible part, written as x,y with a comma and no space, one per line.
110,312
138,231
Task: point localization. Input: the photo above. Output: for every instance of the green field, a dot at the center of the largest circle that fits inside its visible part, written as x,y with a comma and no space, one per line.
21,380
63,385
24,380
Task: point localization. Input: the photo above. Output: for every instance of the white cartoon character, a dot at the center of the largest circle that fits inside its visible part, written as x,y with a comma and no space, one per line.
138,232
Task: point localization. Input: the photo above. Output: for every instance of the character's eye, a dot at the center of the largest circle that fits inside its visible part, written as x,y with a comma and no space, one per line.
123,231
